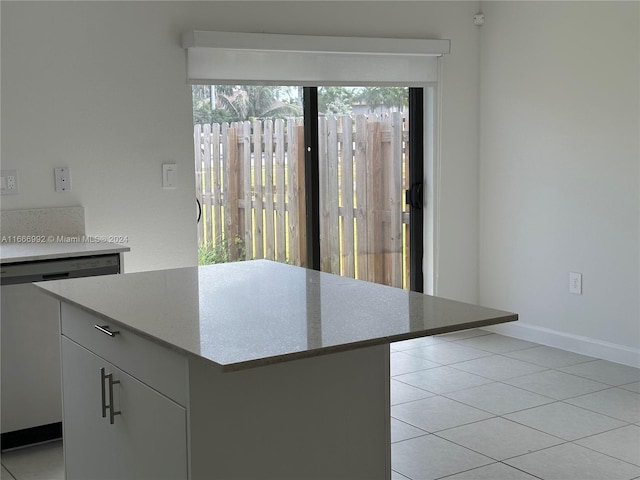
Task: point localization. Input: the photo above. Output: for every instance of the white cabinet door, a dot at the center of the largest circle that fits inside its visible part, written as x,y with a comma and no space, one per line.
148,439
89,444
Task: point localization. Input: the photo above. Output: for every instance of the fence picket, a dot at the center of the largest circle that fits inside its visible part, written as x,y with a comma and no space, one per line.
333,196
323,162
232,174
268,179
394,163
216,185
292,192
206,197
258,220
361,198
348,257
246,190
301,192
224,177
375,196
385,259
280,192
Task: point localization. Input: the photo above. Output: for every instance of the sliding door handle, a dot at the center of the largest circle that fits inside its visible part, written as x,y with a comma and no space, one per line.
413,196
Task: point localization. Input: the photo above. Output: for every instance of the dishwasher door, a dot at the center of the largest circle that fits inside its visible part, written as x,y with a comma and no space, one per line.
30,393
30,356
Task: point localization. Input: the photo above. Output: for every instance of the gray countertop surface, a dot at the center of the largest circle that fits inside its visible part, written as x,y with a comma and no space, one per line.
247,314
24,252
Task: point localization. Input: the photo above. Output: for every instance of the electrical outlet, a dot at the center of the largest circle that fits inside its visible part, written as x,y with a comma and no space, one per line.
9,182
575,283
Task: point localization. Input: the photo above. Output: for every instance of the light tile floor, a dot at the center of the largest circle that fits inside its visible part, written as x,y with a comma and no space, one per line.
495,407
476,405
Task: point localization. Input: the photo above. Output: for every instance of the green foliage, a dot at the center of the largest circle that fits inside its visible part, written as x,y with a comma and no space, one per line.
340,100
209,254
242,251
238,103
204,114
335,100
391,97
204,106
235,103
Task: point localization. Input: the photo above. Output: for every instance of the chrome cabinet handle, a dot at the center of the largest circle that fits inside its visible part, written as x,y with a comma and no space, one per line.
106,329
112,382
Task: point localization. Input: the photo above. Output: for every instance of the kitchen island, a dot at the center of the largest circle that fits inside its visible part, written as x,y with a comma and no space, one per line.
243,370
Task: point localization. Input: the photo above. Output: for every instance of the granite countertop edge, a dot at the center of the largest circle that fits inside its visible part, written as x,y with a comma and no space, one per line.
291,356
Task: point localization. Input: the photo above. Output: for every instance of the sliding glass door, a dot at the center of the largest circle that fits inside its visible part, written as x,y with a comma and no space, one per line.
369,170
328,178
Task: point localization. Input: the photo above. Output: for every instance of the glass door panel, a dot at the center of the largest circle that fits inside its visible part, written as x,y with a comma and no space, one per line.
249,145
363,156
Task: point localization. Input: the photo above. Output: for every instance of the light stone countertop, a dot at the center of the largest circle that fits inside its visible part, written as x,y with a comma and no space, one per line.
247,314
25,252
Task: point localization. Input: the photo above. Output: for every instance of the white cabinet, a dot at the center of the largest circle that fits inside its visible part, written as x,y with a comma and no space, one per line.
181,417
115,425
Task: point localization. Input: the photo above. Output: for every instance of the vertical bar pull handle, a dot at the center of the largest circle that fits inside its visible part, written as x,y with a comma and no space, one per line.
112,413
112,382
103,377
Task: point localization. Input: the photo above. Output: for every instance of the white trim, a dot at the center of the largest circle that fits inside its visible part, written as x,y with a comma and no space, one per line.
231,57
270,42
573,343
437,168
429,133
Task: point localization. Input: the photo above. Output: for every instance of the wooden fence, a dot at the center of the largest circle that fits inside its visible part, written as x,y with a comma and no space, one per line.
250,182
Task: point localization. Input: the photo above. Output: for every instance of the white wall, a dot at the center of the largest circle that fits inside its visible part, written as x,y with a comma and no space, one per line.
559,172
100,87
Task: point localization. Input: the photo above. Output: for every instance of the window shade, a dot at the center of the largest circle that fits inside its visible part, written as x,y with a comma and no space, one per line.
231,57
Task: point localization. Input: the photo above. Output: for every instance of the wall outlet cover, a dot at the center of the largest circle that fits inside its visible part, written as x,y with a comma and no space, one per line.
575,283
63,179
9,182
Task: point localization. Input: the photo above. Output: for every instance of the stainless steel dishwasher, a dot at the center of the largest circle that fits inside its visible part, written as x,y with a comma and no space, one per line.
31,403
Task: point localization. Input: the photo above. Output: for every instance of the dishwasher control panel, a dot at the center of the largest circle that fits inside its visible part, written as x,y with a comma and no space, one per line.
56,269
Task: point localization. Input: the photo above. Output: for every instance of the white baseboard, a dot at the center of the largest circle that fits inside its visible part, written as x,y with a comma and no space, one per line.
573,343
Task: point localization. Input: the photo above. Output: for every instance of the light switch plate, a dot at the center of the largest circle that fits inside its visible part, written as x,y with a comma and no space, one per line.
63,179
169,175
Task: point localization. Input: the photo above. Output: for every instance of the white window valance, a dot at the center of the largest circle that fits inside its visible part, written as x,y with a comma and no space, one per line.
232,57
